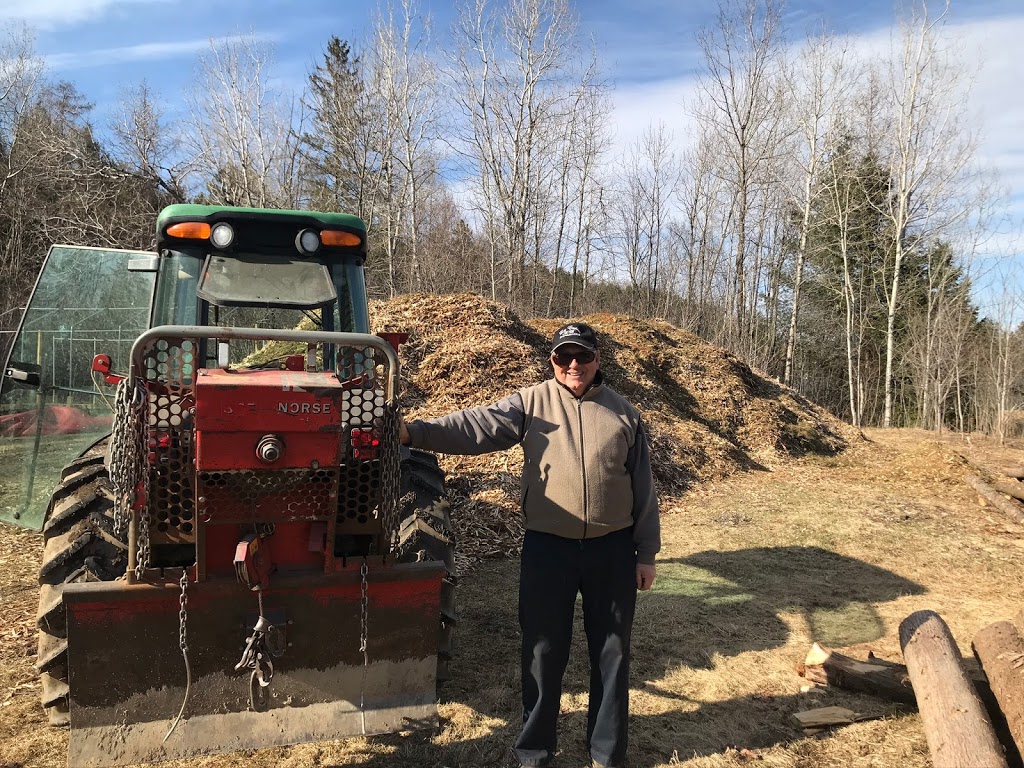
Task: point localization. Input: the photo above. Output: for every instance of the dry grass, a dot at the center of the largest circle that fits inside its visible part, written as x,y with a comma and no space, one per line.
780,528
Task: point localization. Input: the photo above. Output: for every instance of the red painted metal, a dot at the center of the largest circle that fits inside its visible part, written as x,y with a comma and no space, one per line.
237,450
321,678
268,401
254,560
290,545
395,339
101,364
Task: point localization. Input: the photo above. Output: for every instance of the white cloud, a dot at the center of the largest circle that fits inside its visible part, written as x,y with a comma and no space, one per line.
62,62
52,13
640,105
986,47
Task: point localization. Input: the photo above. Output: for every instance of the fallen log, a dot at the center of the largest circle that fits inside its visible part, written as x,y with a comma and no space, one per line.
956,726
1015,472
1014,488
999,648
883,679
1008,507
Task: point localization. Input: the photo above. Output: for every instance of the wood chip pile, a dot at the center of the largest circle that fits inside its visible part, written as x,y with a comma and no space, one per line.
707,413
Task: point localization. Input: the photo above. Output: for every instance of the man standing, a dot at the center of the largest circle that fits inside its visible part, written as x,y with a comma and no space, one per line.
592,528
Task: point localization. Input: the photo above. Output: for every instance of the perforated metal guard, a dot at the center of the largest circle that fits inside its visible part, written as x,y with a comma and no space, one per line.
168,368
365,490
267,495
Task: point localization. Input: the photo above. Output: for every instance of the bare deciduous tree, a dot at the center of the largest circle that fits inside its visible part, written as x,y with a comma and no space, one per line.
244,131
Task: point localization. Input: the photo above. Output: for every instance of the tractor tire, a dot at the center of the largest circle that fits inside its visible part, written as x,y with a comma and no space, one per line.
79,544
426,533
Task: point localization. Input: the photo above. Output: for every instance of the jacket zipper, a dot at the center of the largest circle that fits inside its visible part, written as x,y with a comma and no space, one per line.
583,468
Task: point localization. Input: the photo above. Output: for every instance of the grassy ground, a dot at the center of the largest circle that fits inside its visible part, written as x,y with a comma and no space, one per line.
753,570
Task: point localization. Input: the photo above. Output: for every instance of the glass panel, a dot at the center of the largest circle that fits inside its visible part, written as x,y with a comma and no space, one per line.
85,303
266,281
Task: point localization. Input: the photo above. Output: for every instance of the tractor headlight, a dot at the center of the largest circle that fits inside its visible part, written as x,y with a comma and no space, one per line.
307,242
222,235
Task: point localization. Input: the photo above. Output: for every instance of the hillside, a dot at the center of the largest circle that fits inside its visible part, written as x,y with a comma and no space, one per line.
709,415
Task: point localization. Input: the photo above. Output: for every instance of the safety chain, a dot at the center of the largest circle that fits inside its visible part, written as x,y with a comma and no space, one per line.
183,644
364,602
129,469
126,439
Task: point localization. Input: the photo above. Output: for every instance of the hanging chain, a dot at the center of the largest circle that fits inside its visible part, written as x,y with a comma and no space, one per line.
127,449
364,603
183,644
129,468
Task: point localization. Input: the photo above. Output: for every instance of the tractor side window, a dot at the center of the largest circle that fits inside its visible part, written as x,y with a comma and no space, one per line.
51,409
176,302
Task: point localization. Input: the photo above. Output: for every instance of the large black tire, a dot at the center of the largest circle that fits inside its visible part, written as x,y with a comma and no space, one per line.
79,544
426,533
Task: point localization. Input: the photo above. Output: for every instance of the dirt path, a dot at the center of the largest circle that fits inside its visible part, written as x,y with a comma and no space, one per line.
754,569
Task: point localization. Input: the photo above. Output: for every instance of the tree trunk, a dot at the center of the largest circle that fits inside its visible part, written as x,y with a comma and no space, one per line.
1012,488
1000,649
1008,507
958,730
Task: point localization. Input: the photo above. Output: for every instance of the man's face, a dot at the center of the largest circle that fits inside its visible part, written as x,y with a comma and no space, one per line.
571,369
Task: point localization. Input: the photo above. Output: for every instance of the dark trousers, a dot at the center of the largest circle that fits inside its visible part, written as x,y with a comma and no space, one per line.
552,572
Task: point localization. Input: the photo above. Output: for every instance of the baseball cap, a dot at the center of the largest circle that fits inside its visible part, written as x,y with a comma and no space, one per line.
579,334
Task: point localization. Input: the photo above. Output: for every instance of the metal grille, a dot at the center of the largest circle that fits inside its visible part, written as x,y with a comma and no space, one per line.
169,367
366,490
390,471
267,495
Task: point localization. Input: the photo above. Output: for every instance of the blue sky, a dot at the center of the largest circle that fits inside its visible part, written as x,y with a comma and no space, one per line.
647,50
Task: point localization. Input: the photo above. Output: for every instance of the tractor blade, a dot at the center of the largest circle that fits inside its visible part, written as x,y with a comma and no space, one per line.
128,679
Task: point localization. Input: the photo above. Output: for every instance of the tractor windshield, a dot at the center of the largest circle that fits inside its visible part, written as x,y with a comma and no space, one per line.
262,291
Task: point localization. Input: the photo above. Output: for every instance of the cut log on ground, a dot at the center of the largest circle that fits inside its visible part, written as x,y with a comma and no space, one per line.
815,721
1014,488
1008,507
1015,472
883,679
1000,649
958,730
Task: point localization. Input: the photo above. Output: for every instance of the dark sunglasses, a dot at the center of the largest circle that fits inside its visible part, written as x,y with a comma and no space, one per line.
582,357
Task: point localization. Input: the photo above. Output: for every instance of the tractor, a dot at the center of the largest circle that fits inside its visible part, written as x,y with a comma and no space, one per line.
238,552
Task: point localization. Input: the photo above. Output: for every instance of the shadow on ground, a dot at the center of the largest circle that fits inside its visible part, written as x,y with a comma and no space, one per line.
707,604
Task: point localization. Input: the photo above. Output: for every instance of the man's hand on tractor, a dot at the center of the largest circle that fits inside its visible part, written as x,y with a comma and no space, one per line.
644,576
403,432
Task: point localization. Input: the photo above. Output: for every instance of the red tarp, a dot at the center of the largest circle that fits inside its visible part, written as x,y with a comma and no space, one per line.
57,420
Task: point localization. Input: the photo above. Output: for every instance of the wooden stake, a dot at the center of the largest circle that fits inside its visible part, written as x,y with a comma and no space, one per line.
958,730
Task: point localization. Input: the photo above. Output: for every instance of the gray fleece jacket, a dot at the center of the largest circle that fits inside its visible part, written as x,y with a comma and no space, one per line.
587,468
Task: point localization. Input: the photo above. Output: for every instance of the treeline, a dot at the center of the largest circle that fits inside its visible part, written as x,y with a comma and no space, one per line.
821,215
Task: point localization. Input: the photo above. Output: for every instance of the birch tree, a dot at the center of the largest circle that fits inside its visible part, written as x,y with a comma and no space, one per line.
404,81
929,154
740,87
816,82
244,130
514,74
649,173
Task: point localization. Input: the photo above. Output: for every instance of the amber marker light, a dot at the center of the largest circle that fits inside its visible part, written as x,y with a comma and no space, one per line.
336,237
189,230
